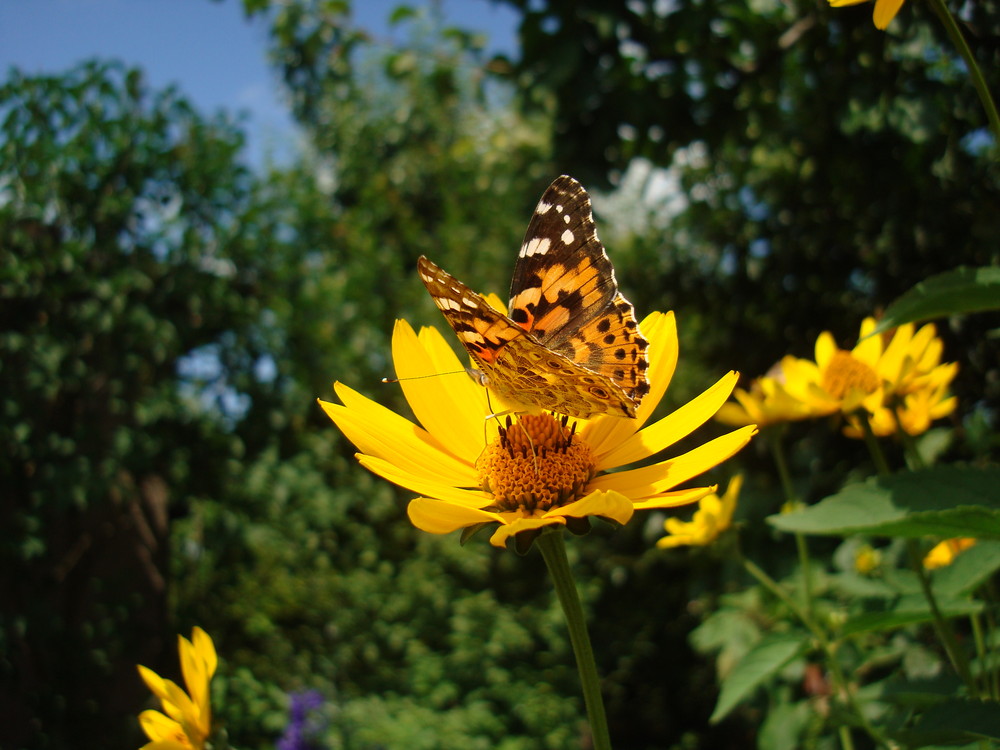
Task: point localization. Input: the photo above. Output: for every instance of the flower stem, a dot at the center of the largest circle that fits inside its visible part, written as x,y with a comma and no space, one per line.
978,80
791,500
941,625
553,551
874,449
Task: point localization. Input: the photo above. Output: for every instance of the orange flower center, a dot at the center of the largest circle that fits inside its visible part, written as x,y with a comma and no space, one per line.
845,372
535,464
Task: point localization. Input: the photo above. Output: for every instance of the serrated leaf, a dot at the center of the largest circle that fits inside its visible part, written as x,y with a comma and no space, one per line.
963,290
947,501
764,661
909,610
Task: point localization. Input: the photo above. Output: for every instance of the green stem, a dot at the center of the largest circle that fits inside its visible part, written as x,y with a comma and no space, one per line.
978,80
553,551
791,498
982,683
874,449
947,636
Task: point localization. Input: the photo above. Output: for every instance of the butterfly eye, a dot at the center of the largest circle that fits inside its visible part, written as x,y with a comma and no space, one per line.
478,375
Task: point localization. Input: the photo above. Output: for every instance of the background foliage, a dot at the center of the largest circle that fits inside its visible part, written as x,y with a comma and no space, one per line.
170,317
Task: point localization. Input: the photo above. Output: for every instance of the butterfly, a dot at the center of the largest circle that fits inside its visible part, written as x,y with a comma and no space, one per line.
570,343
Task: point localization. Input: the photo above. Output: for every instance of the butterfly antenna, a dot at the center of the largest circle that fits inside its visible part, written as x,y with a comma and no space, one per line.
421,377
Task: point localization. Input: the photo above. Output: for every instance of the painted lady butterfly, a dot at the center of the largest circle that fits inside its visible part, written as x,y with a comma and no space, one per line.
571,343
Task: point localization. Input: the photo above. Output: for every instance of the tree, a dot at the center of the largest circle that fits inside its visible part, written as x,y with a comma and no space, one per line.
116,228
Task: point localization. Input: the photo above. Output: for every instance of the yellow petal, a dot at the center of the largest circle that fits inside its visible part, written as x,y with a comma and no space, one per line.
448,405
842,3
679,424
826,347
602,503
675,498
885,11
205,649
438,517
869,348
380,432
422,485
196,678
735,415
505,532
159,727
656,478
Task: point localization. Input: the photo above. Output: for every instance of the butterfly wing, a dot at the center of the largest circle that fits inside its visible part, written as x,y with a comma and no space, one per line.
565,294
517,367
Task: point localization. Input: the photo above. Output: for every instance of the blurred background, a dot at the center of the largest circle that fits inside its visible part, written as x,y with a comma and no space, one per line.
210,211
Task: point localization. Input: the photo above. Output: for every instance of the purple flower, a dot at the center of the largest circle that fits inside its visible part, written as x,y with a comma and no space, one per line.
301,733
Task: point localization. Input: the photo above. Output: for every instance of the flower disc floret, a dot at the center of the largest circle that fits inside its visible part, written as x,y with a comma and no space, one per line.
845,374
535,464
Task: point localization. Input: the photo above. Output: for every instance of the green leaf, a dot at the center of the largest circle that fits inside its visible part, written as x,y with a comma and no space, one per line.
909,610
948,501
758,666
954,721
963,290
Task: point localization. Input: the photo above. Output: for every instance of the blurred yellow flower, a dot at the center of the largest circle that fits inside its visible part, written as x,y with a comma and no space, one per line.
944,554
896,379
714,516
187,720
867,559
916,383
532,471
885,10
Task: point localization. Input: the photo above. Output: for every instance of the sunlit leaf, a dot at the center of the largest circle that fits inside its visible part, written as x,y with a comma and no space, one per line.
944,502
758,666
964,290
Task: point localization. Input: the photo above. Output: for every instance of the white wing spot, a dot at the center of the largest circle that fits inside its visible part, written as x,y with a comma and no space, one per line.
567,218
567,237
536,246
543,208
559,209
449,303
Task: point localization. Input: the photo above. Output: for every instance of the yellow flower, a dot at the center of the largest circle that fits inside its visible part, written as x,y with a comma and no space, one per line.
839,380
531,471
885,10
187,720
944,554
867,559
896,379
714,516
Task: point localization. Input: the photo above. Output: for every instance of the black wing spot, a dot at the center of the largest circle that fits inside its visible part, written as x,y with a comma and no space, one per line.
610,339
619,354
604,326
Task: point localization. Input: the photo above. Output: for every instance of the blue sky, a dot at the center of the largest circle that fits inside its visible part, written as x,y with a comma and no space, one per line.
215,56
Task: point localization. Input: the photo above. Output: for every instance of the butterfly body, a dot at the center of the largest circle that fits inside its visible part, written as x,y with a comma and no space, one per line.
571,343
